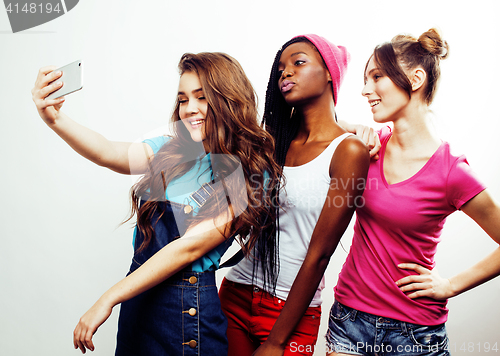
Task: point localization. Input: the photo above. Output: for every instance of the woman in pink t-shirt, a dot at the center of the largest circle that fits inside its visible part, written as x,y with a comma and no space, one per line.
389,300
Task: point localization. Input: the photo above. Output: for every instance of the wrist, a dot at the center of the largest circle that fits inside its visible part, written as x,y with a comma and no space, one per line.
53,120
452,291
276,341
108,299
346,126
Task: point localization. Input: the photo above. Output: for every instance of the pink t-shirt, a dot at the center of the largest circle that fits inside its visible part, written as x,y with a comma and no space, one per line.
398,223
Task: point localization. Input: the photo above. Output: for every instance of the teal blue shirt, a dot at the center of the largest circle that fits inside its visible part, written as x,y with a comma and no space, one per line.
179,189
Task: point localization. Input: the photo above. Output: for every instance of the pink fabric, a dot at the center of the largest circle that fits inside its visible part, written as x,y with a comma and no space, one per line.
336,59
402,222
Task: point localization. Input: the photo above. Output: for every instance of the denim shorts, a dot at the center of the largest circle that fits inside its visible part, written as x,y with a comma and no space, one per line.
358,333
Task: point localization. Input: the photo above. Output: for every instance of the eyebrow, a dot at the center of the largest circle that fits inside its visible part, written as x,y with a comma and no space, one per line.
194,91
294,54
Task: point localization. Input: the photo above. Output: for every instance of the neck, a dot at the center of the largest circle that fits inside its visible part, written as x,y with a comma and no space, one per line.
317,119
413,128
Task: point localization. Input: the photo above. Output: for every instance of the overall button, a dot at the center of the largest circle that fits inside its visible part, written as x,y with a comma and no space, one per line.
193,280
192,312
188,209
192,344
381,320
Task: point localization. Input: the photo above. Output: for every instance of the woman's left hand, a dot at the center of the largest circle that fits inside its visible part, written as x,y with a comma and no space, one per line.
367,134
427,283
266,349
88,324
370,137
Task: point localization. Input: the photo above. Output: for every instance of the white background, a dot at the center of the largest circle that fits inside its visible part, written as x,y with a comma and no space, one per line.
62,244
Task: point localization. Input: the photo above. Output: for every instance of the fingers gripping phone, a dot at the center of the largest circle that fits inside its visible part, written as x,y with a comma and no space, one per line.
72,78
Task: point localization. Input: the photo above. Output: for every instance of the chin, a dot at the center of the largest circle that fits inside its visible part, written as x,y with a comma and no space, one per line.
197,136
381,119
291,101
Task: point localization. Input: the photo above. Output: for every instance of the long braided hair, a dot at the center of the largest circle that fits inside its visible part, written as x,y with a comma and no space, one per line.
279,118
282,122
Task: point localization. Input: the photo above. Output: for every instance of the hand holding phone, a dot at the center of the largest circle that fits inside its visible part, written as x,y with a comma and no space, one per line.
72,79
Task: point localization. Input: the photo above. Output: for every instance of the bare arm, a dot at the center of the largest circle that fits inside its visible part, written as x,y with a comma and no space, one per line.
486,213
172,258
121,157
350,161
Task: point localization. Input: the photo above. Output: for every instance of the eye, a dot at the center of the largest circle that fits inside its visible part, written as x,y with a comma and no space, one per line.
377,75
280,72
182,101
201,98
299,62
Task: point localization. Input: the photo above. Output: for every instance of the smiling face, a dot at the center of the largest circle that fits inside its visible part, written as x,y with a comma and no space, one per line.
192,105
303,76
387,100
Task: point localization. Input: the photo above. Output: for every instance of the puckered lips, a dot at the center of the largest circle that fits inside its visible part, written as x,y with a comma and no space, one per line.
286,86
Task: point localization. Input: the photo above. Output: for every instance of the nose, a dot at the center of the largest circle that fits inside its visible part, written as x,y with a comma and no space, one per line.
286,73
367,89
192,107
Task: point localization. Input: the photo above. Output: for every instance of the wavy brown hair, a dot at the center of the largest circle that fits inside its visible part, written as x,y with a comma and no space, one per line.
233,133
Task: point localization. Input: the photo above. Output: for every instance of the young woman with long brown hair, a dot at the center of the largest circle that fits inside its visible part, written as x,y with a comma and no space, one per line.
211,180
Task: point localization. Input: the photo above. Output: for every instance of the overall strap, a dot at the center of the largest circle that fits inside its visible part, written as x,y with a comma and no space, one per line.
200,197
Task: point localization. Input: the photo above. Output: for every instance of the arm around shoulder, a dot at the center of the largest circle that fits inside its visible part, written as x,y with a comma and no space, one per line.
367,134
351,158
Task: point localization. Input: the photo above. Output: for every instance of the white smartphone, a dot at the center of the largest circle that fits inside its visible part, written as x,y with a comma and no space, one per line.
72,78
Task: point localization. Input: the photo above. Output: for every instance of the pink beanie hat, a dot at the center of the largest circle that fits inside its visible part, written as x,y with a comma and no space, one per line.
336,59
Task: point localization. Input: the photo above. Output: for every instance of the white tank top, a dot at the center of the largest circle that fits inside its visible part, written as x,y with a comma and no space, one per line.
302,199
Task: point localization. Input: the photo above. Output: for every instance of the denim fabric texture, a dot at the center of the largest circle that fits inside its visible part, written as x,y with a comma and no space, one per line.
180,316
357,333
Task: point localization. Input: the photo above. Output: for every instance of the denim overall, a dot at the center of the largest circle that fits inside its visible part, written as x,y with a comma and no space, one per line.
180,316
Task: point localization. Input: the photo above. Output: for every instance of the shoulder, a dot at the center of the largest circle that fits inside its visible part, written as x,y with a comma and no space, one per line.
451,158
156,143
462,183
351,154
352,147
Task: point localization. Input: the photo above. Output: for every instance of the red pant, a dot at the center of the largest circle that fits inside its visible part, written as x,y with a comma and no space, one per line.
251,314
